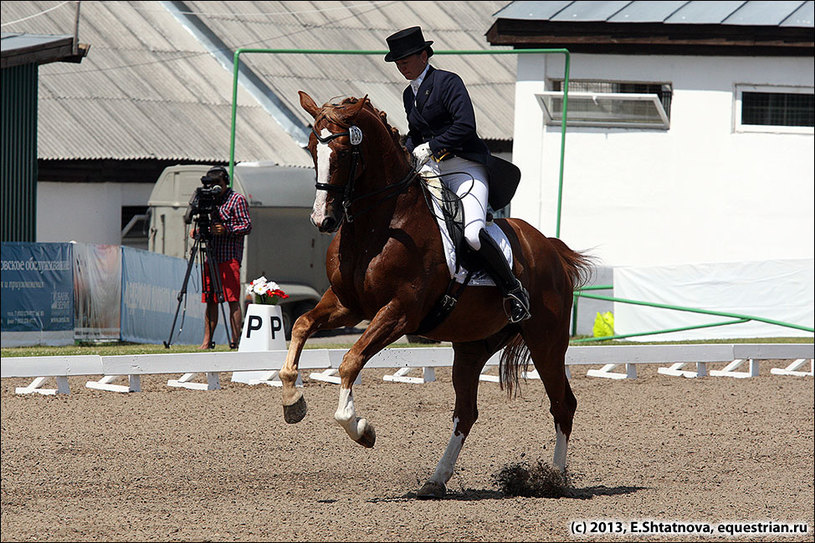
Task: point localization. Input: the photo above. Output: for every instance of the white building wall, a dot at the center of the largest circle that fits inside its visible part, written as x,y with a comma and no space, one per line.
86,212
699,192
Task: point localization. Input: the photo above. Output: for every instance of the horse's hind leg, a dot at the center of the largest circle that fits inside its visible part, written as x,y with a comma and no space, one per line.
549,357
468,362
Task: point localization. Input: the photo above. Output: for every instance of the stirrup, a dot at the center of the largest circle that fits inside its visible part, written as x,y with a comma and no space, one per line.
518,299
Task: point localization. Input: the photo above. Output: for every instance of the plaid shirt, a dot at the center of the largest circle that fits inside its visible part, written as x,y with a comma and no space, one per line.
234,215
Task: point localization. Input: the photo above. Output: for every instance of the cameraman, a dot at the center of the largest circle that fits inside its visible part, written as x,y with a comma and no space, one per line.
230,222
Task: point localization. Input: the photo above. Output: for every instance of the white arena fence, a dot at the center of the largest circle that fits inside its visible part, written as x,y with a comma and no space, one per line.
264,365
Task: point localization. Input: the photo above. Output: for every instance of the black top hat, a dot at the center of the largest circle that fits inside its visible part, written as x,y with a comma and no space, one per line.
407,42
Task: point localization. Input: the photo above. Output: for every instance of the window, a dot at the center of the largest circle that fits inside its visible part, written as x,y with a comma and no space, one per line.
611,104
774,109
134,226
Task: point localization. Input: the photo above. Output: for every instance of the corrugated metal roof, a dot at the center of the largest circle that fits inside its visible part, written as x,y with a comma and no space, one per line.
752,13
149,89
364,26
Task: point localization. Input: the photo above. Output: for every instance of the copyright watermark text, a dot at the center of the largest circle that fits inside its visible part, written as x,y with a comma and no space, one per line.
648,527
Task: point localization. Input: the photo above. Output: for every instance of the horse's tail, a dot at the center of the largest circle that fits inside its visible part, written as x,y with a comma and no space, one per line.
514,360
578,268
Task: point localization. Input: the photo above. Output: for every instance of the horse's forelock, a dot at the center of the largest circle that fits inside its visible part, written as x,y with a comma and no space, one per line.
339,114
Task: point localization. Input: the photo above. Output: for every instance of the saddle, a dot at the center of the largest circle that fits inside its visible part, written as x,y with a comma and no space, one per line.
453,217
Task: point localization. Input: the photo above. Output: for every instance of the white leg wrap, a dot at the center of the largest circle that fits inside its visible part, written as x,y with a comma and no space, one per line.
561,444
444,469
346,416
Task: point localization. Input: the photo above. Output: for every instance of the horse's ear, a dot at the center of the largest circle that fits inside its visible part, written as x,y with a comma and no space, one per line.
354,110
308,104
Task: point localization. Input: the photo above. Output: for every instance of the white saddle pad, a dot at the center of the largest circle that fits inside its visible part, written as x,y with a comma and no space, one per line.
479,278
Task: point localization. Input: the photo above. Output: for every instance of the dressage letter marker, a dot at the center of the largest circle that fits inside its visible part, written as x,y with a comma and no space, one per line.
262,331
277,325
253,322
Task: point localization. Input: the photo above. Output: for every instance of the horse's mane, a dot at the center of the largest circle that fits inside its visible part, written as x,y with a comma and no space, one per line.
338,113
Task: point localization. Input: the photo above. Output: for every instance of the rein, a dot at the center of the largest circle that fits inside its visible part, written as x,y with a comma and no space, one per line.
354,133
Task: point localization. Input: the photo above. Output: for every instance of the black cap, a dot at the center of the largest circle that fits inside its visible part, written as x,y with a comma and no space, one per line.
214,173
407,42
218,170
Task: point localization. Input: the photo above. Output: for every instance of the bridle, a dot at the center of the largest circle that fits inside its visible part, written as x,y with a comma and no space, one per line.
354,134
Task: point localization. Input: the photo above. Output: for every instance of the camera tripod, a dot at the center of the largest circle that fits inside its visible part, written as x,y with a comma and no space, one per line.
202,244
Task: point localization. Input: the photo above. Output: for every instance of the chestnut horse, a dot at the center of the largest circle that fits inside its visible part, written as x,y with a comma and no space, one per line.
386,265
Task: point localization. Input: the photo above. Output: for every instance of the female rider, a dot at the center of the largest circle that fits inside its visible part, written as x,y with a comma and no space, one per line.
442,137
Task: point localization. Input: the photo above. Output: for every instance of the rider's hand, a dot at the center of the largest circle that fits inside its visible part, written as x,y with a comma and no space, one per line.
422,154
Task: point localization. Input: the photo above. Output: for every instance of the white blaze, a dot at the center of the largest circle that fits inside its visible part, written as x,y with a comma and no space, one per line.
323,162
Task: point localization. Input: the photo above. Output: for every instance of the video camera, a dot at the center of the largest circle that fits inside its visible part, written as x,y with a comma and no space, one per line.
204,201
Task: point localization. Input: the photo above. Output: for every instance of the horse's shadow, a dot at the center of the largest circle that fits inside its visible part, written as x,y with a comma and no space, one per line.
470,494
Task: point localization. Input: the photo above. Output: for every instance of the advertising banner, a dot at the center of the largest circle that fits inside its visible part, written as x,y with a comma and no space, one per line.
776,290
37,294
151,283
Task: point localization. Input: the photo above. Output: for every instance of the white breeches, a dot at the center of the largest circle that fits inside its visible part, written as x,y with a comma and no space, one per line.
468,180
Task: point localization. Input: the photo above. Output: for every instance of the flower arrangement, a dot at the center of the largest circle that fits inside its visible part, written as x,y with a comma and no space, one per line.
265,292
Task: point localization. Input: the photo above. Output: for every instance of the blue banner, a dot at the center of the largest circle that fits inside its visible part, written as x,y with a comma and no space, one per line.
151,283
37,287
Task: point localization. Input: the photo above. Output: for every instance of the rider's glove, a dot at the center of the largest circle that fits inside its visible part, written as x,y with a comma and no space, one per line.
422,153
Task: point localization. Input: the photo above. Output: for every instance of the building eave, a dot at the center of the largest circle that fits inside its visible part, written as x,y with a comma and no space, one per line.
20,49
653,38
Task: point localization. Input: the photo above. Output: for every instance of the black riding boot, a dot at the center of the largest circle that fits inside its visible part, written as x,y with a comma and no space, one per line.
511,288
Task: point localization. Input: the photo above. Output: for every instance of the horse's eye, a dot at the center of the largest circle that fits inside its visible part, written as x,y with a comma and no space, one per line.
343,154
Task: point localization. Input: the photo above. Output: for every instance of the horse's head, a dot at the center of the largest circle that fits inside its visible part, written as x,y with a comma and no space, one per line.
335,145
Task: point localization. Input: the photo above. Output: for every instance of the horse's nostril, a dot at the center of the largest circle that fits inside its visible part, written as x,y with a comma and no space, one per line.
328,223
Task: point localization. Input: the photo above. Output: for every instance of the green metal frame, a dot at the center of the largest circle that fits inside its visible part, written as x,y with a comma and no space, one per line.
565,52
738,318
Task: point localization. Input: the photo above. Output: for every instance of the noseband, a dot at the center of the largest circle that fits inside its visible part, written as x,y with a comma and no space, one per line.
354,133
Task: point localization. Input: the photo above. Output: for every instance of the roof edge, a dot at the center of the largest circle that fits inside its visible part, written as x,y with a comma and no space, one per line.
23,48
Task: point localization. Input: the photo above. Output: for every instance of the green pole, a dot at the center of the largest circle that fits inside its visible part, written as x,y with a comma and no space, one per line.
711,325
701,311
564,52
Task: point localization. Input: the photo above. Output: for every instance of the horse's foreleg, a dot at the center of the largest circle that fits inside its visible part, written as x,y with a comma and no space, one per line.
328,314
467,365
385,328
357,428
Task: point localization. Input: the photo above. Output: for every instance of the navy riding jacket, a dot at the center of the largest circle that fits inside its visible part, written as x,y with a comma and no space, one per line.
443,116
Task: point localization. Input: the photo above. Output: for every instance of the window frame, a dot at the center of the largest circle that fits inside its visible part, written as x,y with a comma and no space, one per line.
741,88
555,118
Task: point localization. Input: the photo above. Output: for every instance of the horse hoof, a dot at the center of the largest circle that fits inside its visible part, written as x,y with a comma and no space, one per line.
295,412
431,491
368,437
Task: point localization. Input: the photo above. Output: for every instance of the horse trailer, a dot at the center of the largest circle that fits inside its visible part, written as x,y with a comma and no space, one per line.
283,246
